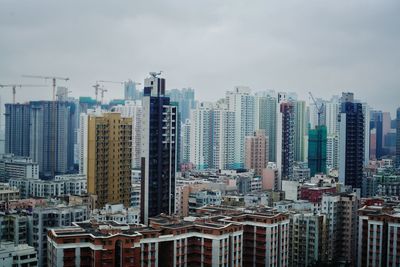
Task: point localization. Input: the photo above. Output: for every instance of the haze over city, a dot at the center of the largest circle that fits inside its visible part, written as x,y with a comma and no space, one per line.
211,46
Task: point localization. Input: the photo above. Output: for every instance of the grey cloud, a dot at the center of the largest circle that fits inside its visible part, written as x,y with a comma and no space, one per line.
323,46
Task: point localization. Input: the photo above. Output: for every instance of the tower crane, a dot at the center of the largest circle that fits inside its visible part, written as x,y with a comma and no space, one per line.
53,115
320,109
14,87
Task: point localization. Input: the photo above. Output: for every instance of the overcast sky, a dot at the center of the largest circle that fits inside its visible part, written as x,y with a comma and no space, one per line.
321,46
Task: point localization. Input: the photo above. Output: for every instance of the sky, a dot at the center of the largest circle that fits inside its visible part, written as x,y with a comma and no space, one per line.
325,47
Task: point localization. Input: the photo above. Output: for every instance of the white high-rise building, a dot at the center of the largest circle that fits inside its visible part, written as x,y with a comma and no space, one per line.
332,109
332,151
223,143
83,139
300,129
185,141
242,103
212,140
200,135
133,109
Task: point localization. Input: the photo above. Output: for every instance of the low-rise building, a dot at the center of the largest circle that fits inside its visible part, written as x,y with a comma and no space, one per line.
203,198
117,213
8,193
17,255
45,218
17,167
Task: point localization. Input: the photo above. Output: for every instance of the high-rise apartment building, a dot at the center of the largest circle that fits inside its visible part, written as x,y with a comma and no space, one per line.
133,109
17,118
317,144
332,109
300,130
341,214
242,103
266,103
158,150
285,137
109,158
376,145
256,152
51,132
212,136
185,141
351,142
332,152
378,232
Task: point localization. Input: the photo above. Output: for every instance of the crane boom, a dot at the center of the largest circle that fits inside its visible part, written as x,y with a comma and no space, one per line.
319,109
14,87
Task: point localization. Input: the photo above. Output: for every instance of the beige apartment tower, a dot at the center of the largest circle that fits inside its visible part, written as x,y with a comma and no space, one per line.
256,152
109,158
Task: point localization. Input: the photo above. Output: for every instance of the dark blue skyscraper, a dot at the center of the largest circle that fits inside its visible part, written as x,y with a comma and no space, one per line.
351,141
158,150
377,124
17,129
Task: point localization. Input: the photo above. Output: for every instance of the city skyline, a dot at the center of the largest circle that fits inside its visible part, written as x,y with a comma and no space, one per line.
263,45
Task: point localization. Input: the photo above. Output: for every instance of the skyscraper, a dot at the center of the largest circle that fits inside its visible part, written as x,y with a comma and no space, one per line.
212,136
398,138
300,130
317,141
17,129
351,141
185,99
51,136
266,119
133,109
158,150
376,124
185,142
285,137
256,148
130,92
242,103
109,158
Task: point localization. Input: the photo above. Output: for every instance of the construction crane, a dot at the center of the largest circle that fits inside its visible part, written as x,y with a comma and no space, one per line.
102,91
320,109
53,115
136,83
14,87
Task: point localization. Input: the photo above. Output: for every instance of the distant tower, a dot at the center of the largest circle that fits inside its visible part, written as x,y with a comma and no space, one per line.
42,130
351,141
130,90
17,140
158,150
